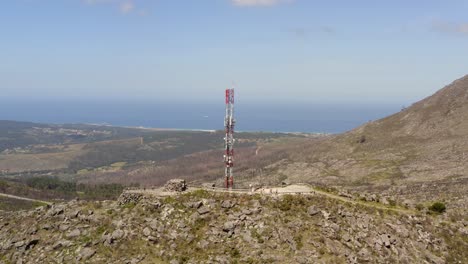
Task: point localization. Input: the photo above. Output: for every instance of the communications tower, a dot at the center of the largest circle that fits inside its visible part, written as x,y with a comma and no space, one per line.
229,123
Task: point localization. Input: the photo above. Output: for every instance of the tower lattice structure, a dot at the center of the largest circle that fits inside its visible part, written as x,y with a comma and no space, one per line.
229,123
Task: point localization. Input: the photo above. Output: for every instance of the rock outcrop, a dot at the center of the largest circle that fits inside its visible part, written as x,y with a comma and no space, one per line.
203,227
175,185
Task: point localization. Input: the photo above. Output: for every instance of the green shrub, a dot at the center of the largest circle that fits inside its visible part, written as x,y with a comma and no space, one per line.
298,240
130,205
419,207
199,194
437,207
235,253
256,235
288,201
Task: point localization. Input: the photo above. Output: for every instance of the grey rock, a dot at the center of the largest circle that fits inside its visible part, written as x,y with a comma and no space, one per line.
247,238
256,204
155,205
384,200
55,210
434,259
303,260
73,233
345,194
152,239
146,231
377,241
399,230
229,226
117,234
335,227
346,237
227,204
31,243
325,214
194,217
64,227
312,210
127,198
222,260
73,214
203,244
19,244
196,205
203,210
57,245
385,240
175,185
247,212
154,224
87,253
62,243
32,231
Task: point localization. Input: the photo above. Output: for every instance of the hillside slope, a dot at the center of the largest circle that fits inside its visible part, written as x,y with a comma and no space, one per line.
443,114
420,153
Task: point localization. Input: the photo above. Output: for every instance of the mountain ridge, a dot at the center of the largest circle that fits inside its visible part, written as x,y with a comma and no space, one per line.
432,115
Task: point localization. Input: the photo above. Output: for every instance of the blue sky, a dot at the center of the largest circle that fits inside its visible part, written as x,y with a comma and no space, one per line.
190,50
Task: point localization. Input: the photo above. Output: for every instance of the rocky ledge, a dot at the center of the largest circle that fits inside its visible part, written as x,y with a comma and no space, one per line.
204,227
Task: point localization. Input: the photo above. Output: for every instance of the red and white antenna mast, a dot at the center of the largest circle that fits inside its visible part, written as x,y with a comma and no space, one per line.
229,123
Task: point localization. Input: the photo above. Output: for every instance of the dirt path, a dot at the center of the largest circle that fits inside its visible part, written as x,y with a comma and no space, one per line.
304,189
257,150
368,204
23,198
307,189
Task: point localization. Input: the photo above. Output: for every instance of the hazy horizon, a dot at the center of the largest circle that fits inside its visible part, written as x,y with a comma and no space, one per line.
272,117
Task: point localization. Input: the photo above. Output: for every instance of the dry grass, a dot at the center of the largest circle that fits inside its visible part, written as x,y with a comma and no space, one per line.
40,162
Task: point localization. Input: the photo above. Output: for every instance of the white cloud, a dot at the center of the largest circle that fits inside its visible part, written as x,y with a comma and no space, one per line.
453,28
463,28
259,2
124,6
127,7
93,2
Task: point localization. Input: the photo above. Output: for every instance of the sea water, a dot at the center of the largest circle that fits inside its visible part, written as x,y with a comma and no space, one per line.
272,117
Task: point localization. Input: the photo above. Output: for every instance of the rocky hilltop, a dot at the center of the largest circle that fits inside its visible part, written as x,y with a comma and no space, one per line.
377,181
208,227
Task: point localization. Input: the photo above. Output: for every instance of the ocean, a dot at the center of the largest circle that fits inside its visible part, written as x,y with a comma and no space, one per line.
275,117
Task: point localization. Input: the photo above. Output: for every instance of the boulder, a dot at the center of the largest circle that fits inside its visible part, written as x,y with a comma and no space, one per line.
117,234
384,200
87,253
152,239
127,198
227,204
147,231
229,226
61,243
203,210
31,243
312,210
385,240
74,233
175,185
